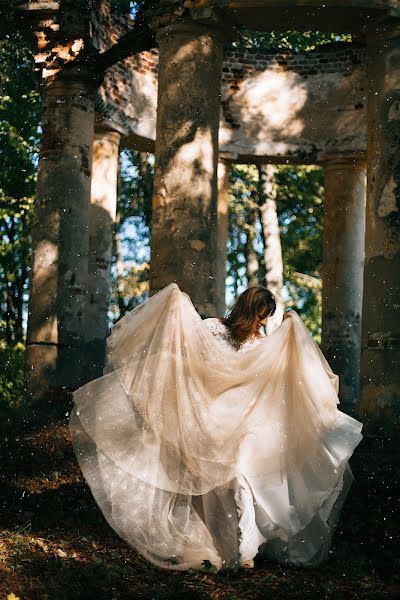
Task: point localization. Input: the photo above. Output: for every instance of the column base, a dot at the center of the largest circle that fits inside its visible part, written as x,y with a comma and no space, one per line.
94,360
51,373
379,409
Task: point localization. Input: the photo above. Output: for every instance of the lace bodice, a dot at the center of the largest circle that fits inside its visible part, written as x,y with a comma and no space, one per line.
222,332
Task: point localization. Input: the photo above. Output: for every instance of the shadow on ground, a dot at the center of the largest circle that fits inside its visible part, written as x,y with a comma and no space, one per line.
56,545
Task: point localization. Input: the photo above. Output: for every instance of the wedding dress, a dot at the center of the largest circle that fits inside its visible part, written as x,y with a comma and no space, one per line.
196,452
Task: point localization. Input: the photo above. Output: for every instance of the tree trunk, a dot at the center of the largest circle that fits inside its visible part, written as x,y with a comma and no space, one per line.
146,181
119,264
272,240
19,303
251,255
10,289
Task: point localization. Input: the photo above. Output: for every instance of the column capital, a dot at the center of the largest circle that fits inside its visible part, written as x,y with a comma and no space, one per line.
383,29
103,132
349,160
71,77
194,22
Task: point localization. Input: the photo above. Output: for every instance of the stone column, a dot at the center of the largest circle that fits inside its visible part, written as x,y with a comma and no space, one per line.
184,234
102,211
223,207
342,271
60,241
380,358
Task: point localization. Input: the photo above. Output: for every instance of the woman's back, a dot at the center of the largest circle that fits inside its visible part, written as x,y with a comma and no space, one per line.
223,334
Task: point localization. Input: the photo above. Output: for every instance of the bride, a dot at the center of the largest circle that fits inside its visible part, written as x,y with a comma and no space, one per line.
206,442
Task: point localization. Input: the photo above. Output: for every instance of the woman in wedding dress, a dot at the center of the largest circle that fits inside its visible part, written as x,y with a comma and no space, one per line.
206,441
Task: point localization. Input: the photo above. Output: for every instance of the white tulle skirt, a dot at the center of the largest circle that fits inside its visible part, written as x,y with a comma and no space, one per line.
195,452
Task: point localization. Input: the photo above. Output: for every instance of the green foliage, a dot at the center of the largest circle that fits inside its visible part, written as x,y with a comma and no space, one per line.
19,121
19,116
132,232
243,182
295,41
15,253
135,186
243,194
208,567
11,376
300,213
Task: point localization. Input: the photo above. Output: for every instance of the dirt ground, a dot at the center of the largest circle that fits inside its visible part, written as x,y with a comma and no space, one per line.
56,545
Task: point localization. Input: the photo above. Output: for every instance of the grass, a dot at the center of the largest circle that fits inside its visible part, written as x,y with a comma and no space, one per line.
56,545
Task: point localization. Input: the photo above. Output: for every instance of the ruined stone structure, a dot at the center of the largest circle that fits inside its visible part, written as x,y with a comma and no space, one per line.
168,83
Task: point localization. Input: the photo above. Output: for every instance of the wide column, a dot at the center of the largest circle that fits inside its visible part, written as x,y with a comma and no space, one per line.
55,336
380,359
342,271
223,208
184,237
102,211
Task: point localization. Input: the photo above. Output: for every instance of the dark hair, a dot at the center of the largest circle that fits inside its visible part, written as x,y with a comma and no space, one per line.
251,307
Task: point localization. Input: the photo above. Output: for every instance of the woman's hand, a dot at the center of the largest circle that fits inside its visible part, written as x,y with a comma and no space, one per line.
286,315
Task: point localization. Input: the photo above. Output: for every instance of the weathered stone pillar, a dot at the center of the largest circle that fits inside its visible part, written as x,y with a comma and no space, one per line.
184,234
342,270
380,358
60,241
102,211
223,207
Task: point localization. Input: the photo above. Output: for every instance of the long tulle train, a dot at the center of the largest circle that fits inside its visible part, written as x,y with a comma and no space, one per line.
196,452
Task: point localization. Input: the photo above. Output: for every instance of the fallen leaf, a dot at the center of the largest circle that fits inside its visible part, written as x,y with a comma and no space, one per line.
42,544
